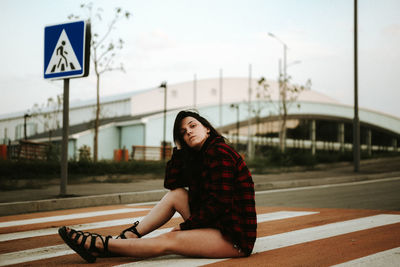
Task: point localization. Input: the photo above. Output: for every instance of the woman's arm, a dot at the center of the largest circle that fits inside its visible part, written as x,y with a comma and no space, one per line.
174,177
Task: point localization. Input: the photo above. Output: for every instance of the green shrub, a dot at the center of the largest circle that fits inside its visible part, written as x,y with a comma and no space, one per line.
303,158
84,154
29,169
53,152
50,169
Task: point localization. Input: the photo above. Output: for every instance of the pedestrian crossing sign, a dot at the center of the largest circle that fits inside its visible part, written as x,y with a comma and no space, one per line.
67,50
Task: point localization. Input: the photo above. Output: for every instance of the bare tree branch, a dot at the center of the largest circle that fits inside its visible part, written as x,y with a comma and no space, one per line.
102,60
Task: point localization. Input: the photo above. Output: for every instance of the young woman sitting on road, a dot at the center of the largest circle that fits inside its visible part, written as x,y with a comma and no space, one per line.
218,208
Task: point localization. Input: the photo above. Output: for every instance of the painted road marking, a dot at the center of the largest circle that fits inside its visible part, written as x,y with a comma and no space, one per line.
285,239
324,231
262,244
143,204
69,217
61,250
82,227
51,231
51,251
34,254
385,258
279,215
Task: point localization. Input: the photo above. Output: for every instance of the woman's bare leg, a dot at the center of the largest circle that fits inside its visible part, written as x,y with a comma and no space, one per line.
204,242
174,200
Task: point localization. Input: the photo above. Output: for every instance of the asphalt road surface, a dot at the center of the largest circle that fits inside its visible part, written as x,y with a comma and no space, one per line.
381,194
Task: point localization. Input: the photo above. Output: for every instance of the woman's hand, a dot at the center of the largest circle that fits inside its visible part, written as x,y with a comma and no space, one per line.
178,145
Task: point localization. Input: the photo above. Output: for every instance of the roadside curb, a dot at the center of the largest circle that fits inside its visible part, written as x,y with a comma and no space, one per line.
14,208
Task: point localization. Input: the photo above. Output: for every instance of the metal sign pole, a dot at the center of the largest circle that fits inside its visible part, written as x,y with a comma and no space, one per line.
66,55
165,119
64,149
356,120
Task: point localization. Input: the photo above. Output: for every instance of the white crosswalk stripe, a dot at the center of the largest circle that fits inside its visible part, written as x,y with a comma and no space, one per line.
68,217
82,227
34,254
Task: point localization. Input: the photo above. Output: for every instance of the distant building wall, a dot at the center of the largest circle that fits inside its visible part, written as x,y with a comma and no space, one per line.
108,141
132,135
12,127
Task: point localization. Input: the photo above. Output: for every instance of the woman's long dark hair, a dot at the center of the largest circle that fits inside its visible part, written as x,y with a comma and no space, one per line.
191,168
178,137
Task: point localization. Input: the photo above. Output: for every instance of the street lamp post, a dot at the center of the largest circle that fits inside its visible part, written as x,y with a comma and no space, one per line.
26,116
250,150
293,63
284,54
282,93
236,106
164,85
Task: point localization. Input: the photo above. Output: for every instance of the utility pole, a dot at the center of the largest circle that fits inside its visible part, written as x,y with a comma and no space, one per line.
237,126
249,133
236,106
356,121
26,116
220,98
164,85
194,90
282,94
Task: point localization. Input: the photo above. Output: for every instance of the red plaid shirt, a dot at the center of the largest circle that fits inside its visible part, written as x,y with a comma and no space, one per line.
221,191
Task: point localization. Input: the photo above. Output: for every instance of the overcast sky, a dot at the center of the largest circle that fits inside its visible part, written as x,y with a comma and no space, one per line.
174,40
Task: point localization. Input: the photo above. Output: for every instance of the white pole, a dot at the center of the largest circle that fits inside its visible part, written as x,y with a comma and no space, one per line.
220,98
194,90
249,134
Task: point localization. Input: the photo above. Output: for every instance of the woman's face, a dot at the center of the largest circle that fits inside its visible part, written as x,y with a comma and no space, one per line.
194,133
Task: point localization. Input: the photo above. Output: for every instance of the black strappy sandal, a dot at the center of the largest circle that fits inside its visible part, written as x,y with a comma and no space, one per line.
86,254
130,229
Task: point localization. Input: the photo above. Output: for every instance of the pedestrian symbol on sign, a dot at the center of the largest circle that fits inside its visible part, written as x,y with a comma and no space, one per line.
63,57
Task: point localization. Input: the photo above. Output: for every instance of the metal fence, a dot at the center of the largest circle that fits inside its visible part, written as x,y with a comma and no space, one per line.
27,150
150,152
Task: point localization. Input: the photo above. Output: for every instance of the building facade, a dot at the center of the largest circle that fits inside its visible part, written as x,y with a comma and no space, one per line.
239,108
